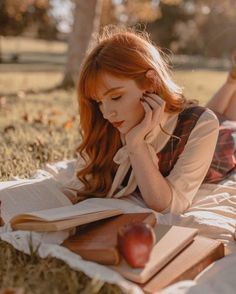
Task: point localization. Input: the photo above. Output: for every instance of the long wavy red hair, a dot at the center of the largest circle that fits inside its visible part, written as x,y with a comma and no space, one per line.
124,53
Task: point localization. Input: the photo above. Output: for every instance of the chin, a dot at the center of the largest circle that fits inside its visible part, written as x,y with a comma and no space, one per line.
124,131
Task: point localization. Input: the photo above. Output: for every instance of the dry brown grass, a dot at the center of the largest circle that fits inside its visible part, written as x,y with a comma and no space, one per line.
24,44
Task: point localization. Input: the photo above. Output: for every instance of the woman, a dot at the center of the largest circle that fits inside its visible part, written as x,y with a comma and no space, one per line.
138,135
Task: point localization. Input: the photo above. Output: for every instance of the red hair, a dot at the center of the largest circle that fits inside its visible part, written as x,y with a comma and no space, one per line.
123,53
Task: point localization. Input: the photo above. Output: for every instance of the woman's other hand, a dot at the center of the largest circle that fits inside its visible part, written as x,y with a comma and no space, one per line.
154,107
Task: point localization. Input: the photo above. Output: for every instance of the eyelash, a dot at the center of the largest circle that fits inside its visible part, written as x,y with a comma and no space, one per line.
114,99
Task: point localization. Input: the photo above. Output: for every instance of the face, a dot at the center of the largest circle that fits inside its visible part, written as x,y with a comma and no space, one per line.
119,102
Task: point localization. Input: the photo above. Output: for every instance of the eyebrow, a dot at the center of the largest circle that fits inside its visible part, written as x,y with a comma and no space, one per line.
111,90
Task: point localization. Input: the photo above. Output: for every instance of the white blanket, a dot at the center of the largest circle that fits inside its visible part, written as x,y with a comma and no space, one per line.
213,212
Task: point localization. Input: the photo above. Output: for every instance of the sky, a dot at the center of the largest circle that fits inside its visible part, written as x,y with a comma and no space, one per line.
62,10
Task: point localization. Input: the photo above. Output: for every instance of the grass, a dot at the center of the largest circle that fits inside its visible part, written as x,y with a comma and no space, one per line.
41,128
36,275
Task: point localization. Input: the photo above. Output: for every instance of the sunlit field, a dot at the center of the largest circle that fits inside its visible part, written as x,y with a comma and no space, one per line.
40,128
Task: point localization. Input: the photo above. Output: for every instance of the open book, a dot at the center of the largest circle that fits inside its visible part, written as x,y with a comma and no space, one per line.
187,264
39,205
171,240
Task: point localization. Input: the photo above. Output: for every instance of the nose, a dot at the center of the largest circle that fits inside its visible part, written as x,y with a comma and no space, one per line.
108,112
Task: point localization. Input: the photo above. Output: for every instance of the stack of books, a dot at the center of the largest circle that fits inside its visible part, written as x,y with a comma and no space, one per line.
179,253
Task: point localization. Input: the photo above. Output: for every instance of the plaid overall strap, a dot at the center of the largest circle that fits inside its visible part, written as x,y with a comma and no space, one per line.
169,155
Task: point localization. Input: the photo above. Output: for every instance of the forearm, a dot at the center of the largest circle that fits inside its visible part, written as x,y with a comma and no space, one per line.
154,187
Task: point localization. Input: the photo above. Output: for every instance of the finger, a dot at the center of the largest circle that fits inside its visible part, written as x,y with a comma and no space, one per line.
154,103
146,107
148,118
158,109
158,114
155,98
148,111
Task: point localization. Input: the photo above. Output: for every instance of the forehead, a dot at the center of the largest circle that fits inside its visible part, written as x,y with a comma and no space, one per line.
109,81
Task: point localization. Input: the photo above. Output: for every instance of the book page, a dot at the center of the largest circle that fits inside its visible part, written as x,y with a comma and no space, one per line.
62,213
40,226
30,195
170,241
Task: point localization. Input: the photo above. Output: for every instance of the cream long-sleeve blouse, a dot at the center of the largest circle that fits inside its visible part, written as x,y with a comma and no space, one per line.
189,170
193,163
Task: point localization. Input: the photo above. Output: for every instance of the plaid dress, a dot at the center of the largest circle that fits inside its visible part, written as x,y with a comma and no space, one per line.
224,158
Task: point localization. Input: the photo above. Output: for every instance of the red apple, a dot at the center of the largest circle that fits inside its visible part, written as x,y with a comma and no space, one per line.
135,242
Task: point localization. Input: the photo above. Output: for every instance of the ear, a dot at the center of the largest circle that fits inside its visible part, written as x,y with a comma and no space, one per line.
153,77
151,74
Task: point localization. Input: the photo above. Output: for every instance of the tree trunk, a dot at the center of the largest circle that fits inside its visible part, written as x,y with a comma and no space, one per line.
1,49
86,22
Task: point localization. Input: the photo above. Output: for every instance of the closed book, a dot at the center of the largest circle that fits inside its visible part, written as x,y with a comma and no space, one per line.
188,264
98,241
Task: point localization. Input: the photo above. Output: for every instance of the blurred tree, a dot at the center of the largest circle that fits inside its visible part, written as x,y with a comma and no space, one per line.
129,12
92,12
86,22
205,27
18,15
201,27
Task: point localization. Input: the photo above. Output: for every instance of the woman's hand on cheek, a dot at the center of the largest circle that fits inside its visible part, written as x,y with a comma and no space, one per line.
154,107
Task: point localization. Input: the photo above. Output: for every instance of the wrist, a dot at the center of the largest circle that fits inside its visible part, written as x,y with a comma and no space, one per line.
136,147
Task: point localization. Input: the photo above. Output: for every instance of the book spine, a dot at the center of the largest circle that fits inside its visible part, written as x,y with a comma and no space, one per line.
1,220
108,257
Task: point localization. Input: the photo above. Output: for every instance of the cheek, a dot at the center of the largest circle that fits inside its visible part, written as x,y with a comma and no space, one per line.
136,111
139,111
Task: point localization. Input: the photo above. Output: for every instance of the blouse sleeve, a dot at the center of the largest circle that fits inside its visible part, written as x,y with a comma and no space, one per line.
193,163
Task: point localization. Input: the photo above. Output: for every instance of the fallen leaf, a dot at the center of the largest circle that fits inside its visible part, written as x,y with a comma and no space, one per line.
25,117
51,122
12,291
55,112
3,101
9,128
69,124
39,142
21,94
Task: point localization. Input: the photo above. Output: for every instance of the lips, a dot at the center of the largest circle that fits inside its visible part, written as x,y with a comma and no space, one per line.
117,124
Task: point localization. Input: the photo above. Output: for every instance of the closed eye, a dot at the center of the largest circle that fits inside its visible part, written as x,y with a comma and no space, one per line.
116,98
99,102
